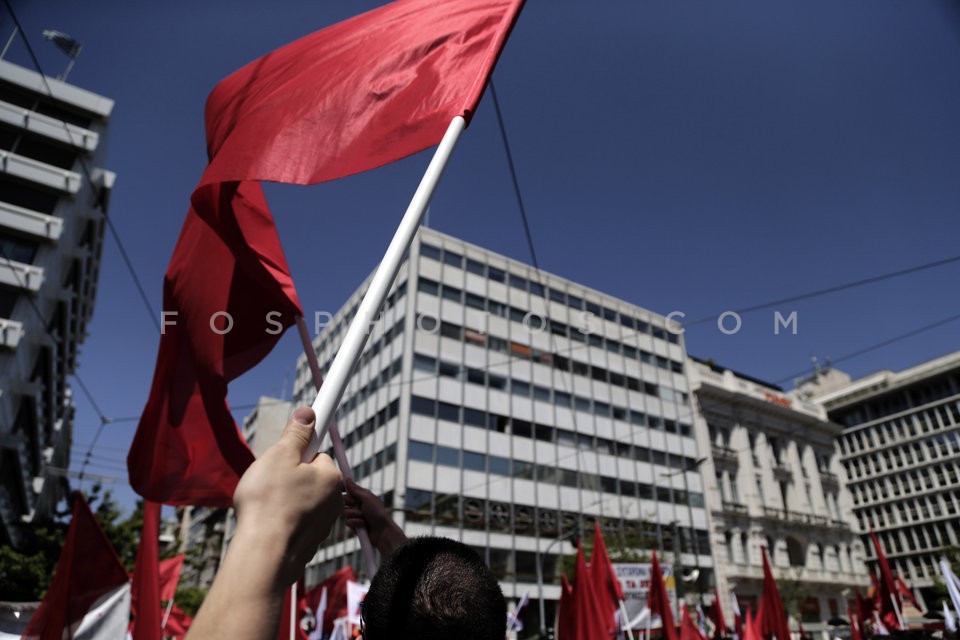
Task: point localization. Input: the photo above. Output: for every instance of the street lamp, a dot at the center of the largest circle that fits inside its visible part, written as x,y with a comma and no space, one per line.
571,536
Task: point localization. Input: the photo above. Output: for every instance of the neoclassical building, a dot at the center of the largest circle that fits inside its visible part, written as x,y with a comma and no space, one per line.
773,479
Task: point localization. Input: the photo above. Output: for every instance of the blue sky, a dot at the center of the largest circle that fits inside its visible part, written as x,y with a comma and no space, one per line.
694,156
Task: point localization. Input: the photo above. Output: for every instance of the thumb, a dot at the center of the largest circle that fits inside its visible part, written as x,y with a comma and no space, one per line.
296,435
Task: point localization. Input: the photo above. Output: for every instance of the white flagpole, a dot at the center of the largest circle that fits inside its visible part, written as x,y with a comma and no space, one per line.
329,395
166,615
366,547
896,609
626,620
293,611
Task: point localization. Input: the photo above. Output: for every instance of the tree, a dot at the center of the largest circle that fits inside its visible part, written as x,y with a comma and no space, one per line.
25,573
190,598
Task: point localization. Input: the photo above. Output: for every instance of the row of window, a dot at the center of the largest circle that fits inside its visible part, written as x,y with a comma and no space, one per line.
497,275
535,323
375,462
505,517
908,511
917,395
550,473
480,377
562,363
919,453
545,433
933,419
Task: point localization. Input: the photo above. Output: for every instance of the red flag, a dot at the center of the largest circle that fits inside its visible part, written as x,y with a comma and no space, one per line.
170,576
800,630
228,260
178,623
771,616
887,598
737,618
716,614
145,595
688,628
592,621
87,570
750,631
657,600
906,593
864,608
357,95
856,633
604,578
283,631
336,586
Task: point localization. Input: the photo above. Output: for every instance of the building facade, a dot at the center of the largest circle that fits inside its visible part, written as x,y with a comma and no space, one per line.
510,409
53,207
777,482
900,448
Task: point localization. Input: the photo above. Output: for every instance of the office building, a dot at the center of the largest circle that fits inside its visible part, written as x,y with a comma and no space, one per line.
53,207
777,482
510,410
900,448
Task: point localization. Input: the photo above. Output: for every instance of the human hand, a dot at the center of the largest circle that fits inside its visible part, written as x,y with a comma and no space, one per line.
285,508
365,510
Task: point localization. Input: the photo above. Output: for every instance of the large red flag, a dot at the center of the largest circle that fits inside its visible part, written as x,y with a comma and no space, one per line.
170,576
591,620
283,630
356,95
145,595
657,600
906,593
771,616
604,578
349,98
888,597
716,614
87,570
227,271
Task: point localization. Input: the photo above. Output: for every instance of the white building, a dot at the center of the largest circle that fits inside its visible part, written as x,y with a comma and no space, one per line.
53,207
508,409
775,481
901,450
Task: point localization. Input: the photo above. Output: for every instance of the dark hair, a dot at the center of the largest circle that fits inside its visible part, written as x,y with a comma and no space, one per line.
434,589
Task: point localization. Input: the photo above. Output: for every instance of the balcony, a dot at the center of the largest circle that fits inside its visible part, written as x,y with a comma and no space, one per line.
795,517
10,333
724,454
48,127
781,471
734,507
39,172
829,478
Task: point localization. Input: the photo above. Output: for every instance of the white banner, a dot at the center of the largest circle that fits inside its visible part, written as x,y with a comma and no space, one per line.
635,580
355,595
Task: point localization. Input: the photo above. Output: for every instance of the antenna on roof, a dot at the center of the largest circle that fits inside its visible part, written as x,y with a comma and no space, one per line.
10,40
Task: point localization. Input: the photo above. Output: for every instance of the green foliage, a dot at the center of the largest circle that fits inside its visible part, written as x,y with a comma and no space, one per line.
25,572
190,598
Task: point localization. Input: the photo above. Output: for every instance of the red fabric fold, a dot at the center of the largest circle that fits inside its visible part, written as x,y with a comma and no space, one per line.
888,596
771,616
606,584
145,594
170,576
657,600
357,95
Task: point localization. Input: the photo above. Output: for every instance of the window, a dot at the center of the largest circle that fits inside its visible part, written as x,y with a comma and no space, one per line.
420,451
453,259
476,267
428,286
430,251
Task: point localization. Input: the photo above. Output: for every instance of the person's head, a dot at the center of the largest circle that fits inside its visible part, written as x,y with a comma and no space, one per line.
434,589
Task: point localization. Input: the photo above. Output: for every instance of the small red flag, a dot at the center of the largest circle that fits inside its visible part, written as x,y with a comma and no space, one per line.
604,578
657,600
170,576
357,95
566,610
771,616
716,614
750,631
856,633
178,623
283,631
336,586
87,570
145,596
888,597
688,628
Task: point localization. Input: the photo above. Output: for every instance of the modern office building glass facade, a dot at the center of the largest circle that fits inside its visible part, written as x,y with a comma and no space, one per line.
509,409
